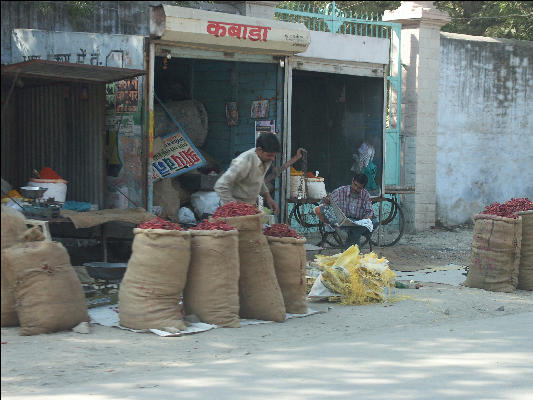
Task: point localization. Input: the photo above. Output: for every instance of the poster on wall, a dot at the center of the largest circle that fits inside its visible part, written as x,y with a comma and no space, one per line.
232,113
178,155
265,126
127,95
259,109
110,98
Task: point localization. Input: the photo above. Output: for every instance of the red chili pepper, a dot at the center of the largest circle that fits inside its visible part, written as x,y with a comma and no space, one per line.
235,209
205,225
509,208
281,230
160,223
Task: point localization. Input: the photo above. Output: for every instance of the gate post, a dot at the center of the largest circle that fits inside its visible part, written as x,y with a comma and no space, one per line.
420,55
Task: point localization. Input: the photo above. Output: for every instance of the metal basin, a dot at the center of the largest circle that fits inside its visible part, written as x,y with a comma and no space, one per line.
32,192
106,271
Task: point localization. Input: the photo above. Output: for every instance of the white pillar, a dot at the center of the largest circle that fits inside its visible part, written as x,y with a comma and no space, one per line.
420,51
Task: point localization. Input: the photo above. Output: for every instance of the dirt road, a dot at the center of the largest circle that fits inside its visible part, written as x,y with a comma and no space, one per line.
436,342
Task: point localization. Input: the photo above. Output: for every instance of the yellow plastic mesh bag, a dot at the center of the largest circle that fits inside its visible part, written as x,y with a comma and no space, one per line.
358,279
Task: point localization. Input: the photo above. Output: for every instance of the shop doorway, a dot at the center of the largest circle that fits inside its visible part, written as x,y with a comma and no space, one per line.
333,117
226,95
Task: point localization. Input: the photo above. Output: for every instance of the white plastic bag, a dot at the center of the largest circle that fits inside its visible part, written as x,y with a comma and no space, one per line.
319,290
186,216
11,204
205,202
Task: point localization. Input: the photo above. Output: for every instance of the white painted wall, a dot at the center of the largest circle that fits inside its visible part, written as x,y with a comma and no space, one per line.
98,47
485,124
336,46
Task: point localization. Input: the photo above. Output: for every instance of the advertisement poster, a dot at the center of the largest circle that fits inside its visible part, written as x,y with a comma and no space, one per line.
178,155
259,109
127,95
265,126
232,114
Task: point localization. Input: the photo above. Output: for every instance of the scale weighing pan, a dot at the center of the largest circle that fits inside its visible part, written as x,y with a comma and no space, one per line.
32,192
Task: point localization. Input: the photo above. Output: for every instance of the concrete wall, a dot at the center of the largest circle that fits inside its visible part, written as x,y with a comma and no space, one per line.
485,130
129,18
336,46
218,82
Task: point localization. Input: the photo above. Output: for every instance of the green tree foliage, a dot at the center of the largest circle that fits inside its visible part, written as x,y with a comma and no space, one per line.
360,8
503,19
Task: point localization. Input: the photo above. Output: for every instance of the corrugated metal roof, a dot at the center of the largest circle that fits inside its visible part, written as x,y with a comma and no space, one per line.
60,126
69,72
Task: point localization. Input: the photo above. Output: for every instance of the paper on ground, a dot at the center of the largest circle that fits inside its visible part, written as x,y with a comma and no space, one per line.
451,275
245,322
312,247
108,316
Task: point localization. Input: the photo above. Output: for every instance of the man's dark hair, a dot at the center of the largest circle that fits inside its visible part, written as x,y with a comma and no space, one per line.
361,178
268,143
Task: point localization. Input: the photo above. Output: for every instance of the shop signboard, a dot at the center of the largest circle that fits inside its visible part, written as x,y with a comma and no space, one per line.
212,30
177,156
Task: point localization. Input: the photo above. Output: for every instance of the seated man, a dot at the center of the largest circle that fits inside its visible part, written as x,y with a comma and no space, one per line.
354,202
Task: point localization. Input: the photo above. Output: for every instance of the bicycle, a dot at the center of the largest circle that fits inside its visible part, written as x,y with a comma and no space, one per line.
389,231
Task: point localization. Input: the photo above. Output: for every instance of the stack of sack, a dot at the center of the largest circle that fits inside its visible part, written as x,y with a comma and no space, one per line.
260,295
288,252
502,249
150,291
201,264
225,269
40,289
212,288
525,268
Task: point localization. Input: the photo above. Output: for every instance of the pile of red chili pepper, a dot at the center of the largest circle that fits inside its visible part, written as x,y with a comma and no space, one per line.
48,173
509,208
205,225
235,209
281,230
160,223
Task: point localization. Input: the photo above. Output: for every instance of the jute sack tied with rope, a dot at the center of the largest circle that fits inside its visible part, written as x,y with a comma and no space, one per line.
289,263
212,288
495,253
13,231
525,270
49,296
154,280
12,228
259,292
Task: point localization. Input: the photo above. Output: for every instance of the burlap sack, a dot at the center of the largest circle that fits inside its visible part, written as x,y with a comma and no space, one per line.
289,262
259,292
212,288
154,280
495,253
12,228
525,270
49,295
8,311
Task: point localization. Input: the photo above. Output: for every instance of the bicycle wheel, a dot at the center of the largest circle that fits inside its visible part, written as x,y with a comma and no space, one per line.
392,222
303,219
335,239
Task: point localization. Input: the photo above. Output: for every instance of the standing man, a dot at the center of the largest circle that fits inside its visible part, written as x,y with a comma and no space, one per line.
245,178
354,202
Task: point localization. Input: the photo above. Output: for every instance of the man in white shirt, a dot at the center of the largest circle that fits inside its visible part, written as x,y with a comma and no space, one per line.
245,178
